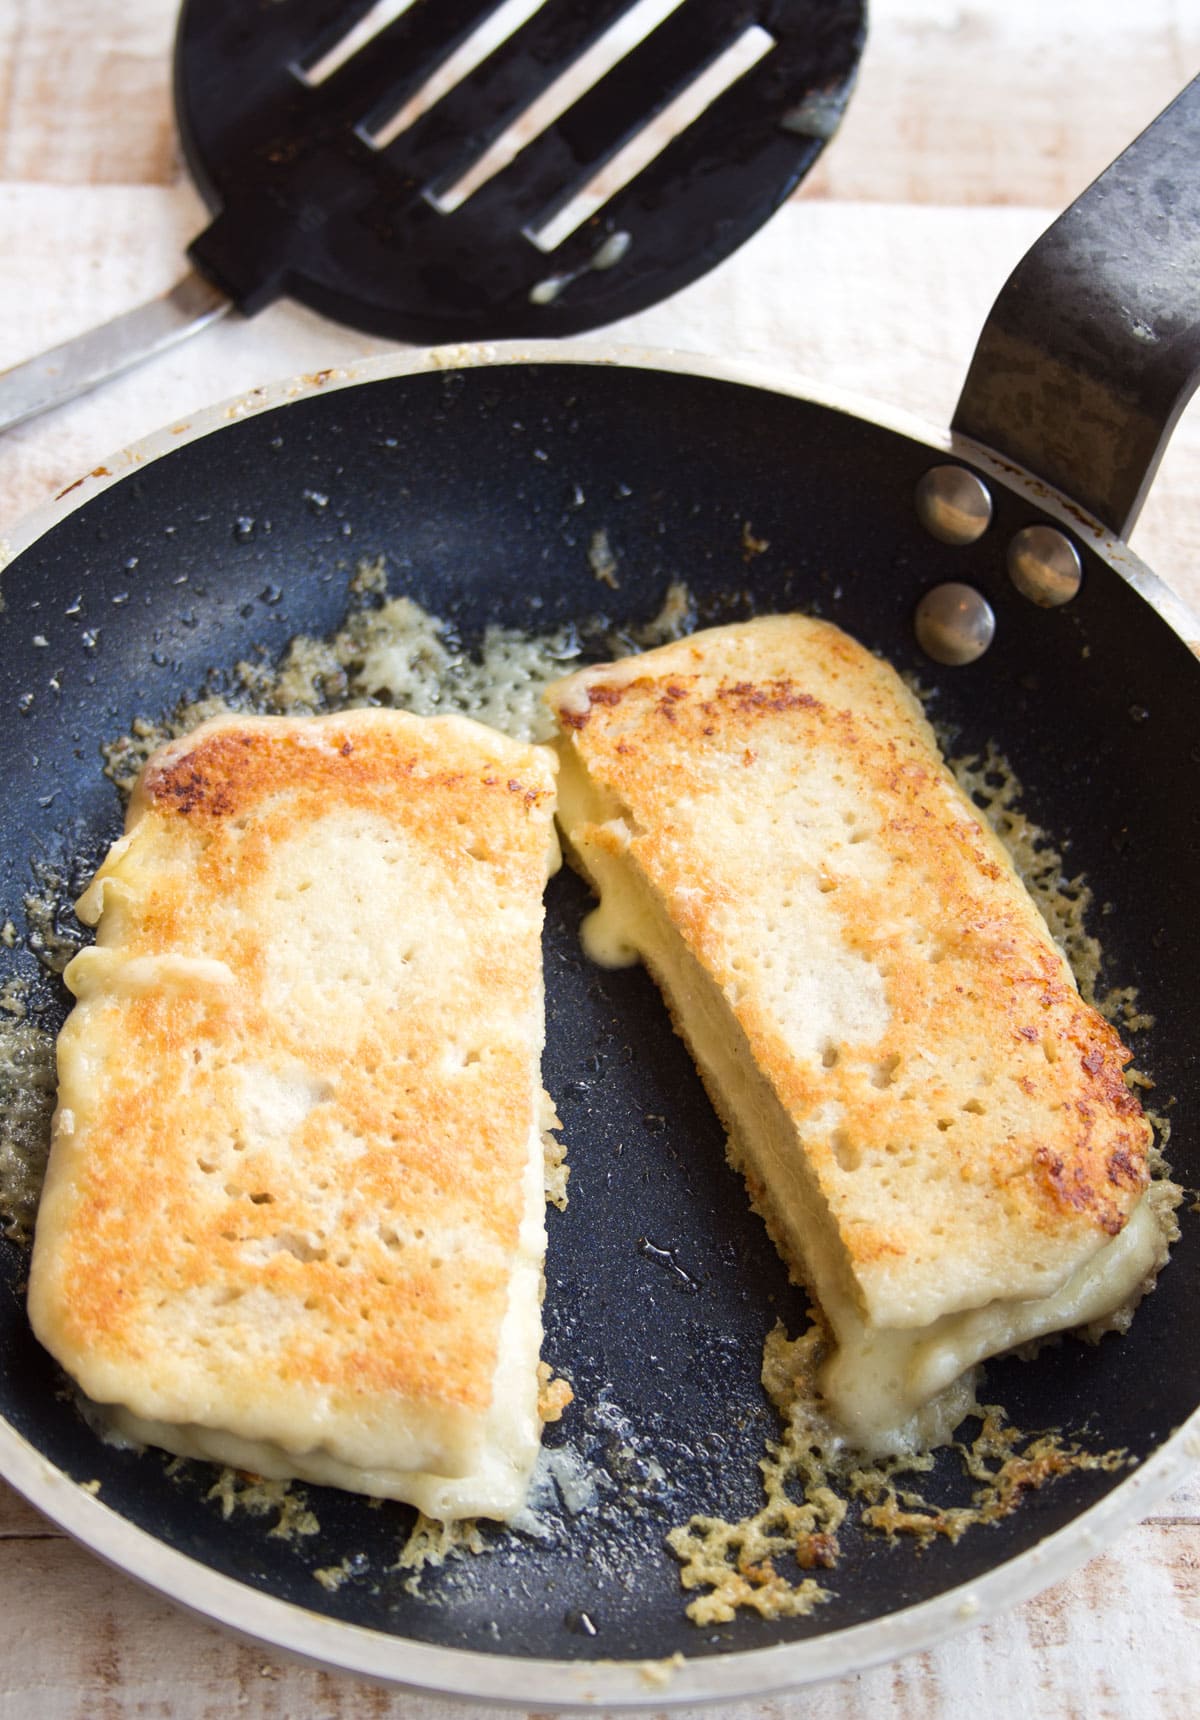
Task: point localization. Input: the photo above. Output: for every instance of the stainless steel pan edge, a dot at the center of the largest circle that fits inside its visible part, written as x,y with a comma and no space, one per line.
744,372
603,1684
560,1684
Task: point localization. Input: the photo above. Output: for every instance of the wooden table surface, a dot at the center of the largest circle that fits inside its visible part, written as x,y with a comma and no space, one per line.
974,120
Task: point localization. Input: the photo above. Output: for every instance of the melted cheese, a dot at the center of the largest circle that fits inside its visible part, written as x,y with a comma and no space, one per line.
893,1390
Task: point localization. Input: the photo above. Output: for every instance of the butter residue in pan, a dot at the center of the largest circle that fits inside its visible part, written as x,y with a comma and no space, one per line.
390,651
27,1093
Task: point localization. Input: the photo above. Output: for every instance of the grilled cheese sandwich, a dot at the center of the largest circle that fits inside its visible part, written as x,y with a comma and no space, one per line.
294,1214
933,1123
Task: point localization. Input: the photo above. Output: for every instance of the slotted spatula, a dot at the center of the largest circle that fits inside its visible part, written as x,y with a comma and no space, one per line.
312,198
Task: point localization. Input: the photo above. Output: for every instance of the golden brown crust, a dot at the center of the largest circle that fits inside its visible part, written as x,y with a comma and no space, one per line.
778,787
304,1066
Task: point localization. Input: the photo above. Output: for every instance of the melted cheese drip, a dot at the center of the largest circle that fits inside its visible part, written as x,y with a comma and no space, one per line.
896,1391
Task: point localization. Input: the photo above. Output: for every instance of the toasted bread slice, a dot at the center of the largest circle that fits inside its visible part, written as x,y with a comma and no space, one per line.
294,1214
935,1125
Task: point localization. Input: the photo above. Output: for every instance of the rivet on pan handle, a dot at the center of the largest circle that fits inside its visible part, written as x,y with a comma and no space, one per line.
1092,349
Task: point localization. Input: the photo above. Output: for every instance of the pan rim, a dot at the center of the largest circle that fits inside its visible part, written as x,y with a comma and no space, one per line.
744,372
510,1680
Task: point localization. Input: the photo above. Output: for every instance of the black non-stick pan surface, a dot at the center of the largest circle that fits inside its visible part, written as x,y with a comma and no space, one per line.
482,488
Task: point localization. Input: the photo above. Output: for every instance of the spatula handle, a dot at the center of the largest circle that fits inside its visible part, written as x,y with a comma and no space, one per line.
1092,349
81,364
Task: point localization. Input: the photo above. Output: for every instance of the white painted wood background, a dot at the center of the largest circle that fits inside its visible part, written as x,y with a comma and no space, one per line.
974,119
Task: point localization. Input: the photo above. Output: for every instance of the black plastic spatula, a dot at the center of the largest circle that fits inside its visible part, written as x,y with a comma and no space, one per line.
322,188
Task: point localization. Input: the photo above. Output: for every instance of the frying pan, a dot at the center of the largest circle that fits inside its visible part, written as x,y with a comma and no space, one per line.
481,476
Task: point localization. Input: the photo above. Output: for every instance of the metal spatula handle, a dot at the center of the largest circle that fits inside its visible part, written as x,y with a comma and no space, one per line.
1092,349
81,364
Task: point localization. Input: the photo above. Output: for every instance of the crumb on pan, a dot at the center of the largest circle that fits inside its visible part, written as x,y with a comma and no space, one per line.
431,1542
234,1490
553,1394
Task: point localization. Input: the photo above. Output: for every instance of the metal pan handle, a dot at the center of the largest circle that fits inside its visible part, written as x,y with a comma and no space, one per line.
1092,349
